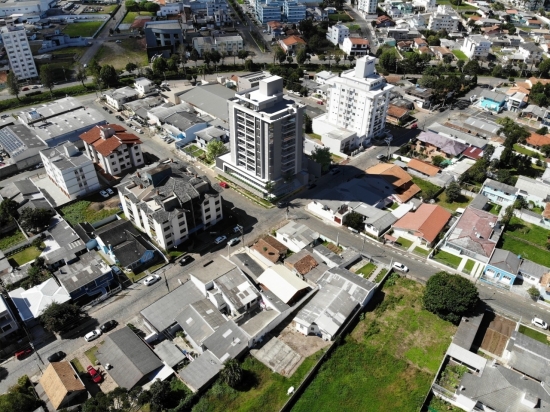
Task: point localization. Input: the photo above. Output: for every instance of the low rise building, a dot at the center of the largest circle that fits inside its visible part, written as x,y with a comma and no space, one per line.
231,45
444,18
143,86
355,46
296,236
117,97
62,384
499,193
205,136
292,44
423,225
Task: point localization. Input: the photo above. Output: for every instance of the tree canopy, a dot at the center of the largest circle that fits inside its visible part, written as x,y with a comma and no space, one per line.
60,316
47,76
34,219
214,148
20,397
13,84
322,156
108,75
355,221
450,296
232,373
453,192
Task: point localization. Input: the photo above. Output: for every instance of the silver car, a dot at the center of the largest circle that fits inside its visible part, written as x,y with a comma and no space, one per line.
90,336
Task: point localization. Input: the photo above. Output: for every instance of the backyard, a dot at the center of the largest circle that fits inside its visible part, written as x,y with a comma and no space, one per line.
428,188
26,255
366,270
527,240
531,153
461,202
460,55
11,239
343,17
84,29
390,358
85,211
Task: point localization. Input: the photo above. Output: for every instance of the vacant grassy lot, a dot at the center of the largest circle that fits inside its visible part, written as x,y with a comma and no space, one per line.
523,150
462,201
119,55
85,211
76,51
527,231
105,9
11,239
84,29
262,390
343,17
525,250
447,259
390,358
427,187
131,16
460,55
366,270
534,334
26,255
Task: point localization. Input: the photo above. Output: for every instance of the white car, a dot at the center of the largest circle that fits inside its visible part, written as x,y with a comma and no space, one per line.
90,336
237,229
104,193
220,239
139,130
539,323
118,41
110,191
149,280
233,241
400,267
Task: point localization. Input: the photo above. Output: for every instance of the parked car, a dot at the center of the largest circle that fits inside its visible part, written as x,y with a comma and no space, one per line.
104,108
25,89
94,374
282,204
220,239
380,157
110,111
90,336
224,185
149,280
539,323
139,130
237,229
400,267
110,191
119,117
186,260
104,193
233,241
319,102
170,141
107,326
22,354
118,41
414,126
56,357
39,165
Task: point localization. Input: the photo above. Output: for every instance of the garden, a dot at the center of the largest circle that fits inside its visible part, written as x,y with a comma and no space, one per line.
86,211
26,255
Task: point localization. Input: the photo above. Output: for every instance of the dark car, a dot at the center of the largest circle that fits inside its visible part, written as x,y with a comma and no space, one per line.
282,204
186,260
56,357
107,326
120,118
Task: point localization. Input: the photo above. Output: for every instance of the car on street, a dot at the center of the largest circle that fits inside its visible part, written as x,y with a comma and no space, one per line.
186,260
400,267
104,108
139,130
380,156
104,193
224,185
110,191
94,374
107,326
90,336
319,102
237,229
56,357
119,117
22,354
149,280
170,141
25,89
539,323
39,165
220,239
35,87
233,241
118,41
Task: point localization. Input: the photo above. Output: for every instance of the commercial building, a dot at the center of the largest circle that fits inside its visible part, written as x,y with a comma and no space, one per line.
169,202
21,145
163,37
266,138
476,46
337,33
444,18
358,101
269,11
294,11
144,86
367,6
117,97
112,148
70,170
250,80
19,52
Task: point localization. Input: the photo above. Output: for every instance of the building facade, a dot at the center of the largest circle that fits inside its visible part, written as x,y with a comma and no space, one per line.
293,11
367,6
476,46
444,18
19,52
337,33
8,322
355,46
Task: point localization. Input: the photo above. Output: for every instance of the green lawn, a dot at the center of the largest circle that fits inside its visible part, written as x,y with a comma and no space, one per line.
421,251
76,51
106,9
84,29
353,27
343,17
195,151
525,250
11,239
527,231
531,153
78,366
447,259
468,266
84,211
406,243
427,187
388,361
534,334
367,270
90,354
262,389
460,55
462,7
131,16
495,209
462,201
380,275
134,52
26,255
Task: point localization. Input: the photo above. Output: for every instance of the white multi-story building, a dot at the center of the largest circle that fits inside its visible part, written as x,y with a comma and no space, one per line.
476,46
112,148
444,18
8,322
117,97
367,6
19,52
226,44
266,138
337,33
531,52
143,86
355,46
169,202
358,101
427,5
70,170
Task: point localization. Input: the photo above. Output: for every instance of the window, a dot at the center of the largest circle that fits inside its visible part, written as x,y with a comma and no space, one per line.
6,328
207,217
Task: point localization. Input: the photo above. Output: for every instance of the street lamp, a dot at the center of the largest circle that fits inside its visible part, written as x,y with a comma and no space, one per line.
388,141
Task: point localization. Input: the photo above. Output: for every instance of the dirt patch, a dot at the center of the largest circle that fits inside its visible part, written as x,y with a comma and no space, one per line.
303,345
494,333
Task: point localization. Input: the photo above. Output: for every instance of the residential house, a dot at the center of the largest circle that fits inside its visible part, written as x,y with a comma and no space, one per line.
535,140
437,144
301,262
324,76
422,168
355,46
292,44
210,134
533,190
169,202
473,153
274,28
442,53
384,21
475,235
493,101
531,53
397,115
444,18
268,250
420,96
112,148
144,86
403,186
476,46
503,267
516,100
247,265
532,272
296,236
62,385
422,225
426,50
405,46
236,292
131,360
499,193
337,33
340,141
8,322
223,44
377,221
284,284
183,126
420,42
163,37
117,97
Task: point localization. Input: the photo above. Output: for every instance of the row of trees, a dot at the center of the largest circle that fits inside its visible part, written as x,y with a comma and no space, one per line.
149,6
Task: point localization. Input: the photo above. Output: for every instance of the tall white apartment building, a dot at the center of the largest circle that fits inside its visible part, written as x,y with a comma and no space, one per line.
170,202
427,5
476,46
19,52
70,170
266,137
367,6
337,33
444,18
358,101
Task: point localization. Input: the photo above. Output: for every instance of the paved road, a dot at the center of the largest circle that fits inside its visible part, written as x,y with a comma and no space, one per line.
365,25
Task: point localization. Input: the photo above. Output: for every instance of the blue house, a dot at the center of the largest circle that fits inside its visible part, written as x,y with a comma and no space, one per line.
499,193
503,267
494,101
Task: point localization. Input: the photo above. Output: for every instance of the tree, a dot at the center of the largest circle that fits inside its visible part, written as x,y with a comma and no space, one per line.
355,221
508,214
280,55
34,219
322,156
232,373
308,123
47,77
130,67
194,56
543,130
437,160
20,397
289,59
8,208
450,296
215,57
388,60
108,76
534,293
159,66
81,74
453,192
214,149
152,7
545,148
301,56
13,85
131,5
544,68
242,54
249,65
60,316
37,242
471,68
160,395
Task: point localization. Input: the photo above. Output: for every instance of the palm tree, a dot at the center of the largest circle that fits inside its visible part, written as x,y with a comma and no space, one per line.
232,373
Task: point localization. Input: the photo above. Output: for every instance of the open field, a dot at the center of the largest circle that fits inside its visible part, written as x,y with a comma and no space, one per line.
390,358
84,29
525,250
119,55
131,16
11,239
85,211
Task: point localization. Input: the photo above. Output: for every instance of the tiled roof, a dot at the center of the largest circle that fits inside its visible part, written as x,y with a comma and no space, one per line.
473,232
276,244
358,40
425,49
115,136
423,167
305,264
404,188
546,213
396,111
445,144
473,152
420,41
291,40
538,139
266,250
426,222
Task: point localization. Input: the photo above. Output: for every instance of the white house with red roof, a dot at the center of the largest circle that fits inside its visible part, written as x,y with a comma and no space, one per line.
355,46
112,148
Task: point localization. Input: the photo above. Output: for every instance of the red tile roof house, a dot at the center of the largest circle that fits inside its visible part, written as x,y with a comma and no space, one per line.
475,235
422,226
112,148
292,43
420,42
536,140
